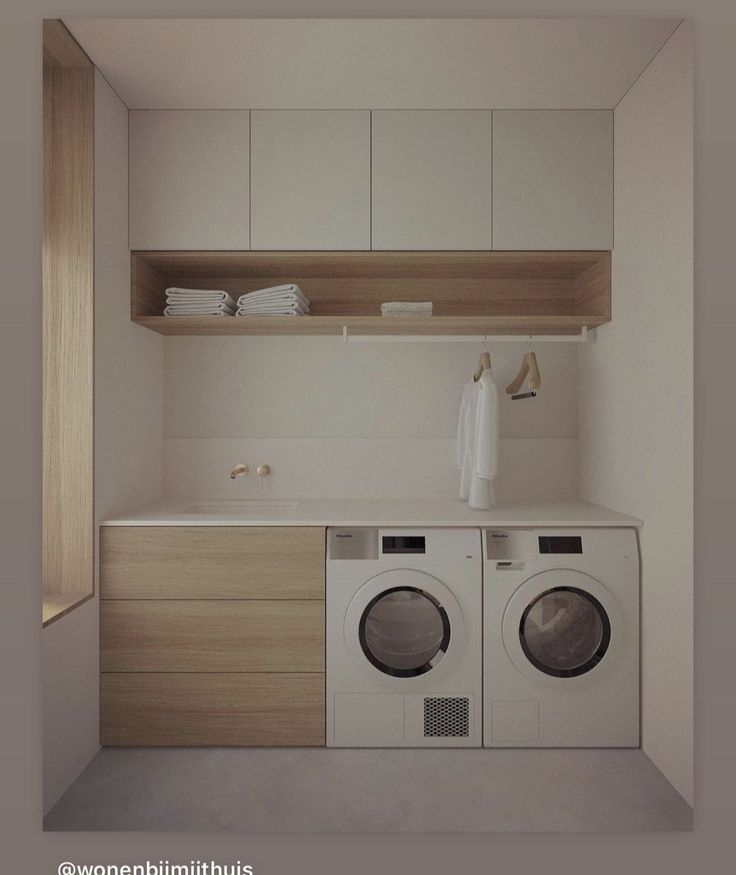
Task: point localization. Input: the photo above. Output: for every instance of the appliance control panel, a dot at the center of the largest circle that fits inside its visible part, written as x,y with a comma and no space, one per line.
510,545
405,547
510,549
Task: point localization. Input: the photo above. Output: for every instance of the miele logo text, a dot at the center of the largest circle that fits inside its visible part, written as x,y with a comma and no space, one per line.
340,535
499,535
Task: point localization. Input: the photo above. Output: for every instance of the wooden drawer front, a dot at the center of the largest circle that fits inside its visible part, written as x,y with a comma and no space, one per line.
206,562
213,636
213,709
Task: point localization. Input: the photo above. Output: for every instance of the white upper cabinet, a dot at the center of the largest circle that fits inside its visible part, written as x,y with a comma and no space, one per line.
552,179
358,180
189,186
431,179
310,179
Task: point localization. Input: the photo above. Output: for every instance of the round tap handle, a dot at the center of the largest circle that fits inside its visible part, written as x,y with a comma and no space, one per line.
263,470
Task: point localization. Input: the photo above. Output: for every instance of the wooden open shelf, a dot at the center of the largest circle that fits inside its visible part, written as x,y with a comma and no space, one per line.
472,292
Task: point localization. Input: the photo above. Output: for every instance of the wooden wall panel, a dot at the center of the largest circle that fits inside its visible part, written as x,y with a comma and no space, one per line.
60,49
68,333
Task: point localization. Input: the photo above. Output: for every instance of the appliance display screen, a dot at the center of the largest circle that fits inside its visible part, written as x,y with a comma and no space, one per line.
403,544
560,544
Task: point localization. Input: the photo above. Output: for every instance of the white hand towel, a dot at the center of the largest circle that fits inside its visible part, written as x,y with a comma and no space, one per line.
406,308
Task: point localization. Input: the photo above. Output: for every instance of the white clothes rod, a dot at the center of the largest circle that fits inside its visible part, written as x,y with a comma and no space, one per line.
464,338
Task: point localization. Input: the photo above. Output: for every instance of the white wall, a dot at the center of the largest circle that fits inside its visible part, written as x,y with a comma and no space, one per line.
128,357
128,429
355,420
636,389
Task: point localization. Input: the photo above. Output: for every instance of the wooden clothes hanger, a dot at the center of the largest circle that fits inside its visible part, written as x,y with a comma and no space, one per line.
484,363
529,368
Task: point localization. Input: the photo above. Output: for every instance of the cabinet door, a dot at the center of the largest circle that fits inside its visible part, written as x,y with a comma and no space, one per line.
431,179
310,178
189,179
552,179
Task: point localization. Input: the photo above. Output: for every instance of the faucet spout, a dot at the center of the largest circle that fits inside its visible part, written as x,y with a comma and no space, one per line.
239,470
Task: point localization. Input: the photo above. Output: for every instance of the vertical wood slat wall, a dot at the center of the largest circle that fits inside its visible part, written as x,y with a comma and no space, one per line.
68,323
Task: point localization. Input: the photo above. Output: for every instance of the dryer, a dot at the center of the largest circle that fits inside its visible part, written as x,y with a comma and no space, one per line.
561,638
404,642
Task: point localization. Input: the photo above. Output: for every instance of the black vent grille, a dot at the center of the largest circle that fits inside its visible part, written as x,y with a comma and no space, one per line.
446,717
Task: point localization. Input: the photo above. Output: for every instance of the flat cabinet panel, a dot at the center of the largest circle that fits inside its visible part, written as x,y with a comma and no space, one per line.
310,178
552,179
212,709
252,636
208,562
431,179
189,179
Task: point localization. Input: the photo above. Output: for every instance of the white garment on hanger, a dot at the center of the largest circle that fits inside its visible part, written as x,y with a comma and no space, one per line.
476,451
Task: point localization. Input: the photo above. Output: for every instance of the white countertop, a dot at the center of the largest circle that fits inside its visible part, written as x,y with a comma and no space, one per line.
375,512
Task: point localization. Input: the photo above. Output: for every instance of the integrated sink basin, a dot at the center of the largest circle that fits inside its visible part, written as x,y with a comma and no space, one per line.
248,507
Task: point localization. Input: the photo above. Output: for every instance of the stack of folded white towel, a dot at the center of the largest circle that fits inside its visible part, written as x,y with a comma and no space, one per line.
286,300
406,308
198,302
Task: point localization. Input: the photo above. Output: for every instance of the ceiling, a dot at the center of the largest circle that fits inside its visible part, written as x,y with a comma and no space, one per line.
585,63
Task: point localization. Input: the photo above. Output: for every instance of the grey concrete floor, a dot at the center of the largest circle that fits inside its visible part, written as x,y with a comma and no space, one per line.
286,790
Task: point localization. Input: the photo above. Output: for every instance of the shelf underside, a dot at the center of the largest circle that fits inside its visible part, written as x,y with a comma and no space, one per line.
397,325
472,292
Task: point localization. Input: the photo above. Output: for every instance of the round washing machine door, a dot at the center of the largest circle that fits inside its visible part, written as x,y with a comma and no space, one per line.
403,623
558,625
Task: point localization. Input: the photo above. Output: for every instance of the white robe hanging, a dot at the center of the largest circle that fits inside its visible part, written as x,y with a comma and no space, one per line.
476,453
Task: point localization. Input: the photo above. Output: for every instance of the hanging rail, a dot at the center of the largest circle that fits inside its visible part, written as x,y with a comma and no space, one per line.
464,338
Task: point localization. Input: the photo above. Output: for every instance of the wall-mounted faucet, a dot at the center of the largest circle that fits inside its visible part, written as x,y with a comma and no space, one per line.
239,470
263,471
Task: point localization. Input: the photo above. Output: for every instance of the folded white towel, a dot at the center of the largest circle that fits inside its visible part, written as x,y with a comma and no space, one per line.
189,294
267,290
403,308
220,309
219,298
273,310
276,304
268,313
198,302
207,305
178,314
288,292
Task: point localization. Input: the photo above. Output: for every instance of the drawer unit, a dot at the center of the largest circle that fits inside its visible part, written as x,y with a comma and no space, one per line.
208,562
209,636
211,710
212,635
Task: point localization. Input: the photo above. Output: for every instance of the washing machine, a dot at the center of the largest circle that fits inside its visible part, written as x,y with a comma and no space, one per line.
404,641
561,637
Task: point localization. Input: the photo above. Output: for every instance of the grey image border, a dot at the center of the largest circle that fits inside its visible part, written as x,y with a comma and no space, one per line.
709,848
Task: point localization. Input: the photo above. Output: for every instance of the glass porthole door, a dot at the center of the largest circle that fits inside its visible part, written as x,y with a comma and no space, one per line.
564,632
404,631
